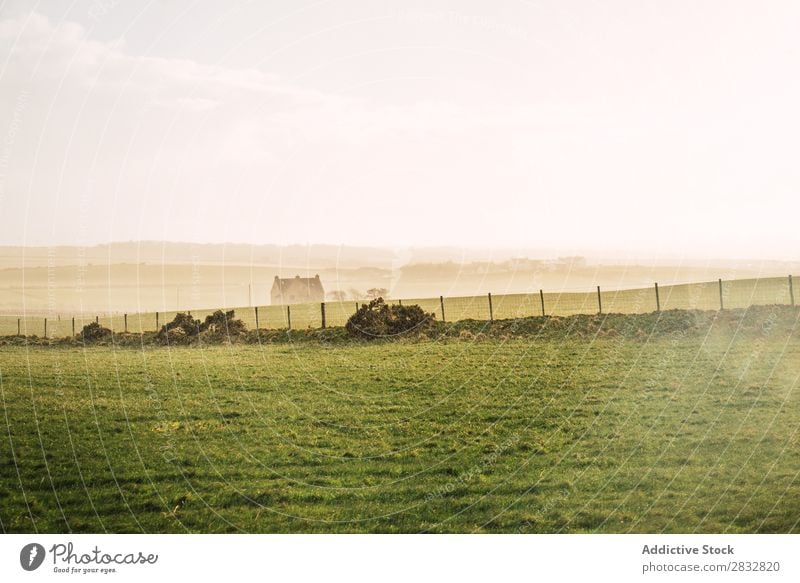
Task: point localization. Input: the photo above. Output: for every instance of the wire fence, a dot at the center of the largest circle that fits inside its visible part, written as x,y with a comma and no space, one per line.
715,295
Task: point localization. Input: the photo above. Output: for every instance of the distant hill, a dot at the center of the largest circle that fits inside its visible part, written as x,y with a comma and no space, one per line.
150,276
155,252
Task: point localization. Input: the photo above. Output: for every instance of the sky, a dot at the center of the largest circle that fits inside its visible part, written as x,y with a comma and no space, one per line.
642,126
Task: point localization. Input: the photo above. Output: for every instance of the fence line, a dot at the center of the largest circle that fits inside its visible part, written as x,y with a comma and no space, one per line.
716,295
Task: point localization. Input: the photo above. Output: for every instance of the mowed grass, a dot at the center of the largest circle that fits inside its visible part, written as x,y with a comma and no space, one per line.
693,433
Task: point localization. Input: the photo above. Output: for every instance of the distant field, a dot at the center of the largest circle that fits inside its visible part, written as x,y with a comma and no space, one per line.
740,293
695,433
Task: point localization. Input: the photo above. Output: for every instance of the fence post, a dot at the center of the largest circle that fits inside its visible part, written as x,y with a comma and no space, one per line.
599,301
45,327
658,300
97,319
541,297
19,328
256,310
400,302
721,305
791,290
441,303
322,309
126,323
289,316
156,321
73,325
356,306
491,311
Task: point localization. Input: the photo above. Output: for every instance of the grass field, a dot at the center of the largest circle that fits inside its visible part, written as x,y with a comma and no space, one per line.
739,293
694,432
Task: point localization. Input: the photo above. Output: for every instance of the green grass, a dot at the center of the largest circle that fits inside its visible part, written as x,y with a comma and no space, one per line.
684,432
738,293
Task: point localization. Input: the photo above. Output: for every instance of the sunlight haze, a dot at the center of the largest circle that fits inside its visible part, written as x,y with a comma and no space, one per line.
633,127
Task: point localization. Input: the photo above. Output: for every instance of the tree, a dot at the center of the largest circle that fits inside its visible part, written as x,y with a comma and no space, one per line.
377,292
337,296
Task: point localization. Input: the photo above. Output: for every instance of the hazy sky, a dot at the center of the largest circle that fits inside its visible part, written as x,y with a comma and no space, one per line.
669,126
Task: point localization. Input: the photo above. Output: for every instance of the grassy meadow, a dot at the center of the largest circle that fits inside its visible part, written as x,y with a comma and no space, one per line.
682,432
737,294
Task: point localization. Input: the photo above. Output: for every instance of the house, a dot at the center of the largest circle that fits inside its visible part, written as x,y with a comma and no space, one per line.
297,290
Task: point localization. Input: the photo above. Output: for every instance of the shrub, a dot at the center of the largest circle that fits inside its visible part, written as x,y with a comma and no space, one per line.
182,326
218,325
379,320
94,331
223,324
174,336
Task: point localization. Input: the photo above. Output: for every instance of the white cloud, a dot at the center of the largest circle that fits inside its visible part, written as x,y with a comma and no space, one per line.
58,62
40,51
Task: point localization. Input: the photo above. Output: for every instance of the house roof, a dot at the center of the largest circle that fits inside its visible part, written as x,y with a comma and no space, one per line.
298,284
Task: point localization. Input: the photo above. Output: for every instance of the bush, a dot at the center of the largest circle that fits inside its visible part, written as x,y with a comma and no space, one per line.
223,324
378,320
182,326
185,328
94,331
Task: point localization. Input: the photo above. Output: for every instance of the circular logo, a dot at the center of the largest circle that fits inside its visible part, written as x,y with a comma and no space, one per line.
31,556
